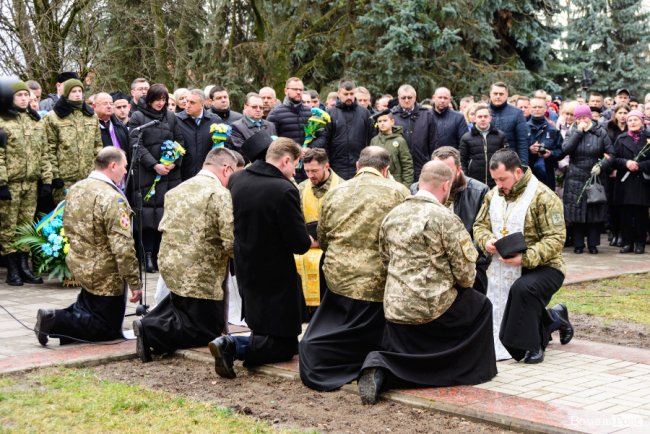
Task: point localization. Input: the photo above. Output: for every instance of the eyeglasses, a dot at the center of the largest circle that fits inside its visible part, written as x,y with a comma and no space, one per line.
296,89
256,107
142,89
406,97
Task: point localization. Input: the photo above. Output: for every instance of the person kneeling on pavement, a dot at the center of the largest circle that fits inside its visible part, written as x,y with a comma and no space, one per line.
102,257
438,329
200,210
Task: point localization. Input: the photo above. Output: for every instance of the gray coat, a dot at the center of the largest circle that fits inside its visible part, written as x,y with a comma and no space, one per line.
243,129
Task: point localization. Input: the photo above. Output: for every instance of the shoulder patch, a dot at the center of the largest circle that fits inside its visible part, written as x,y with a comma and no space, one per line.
125,221
396,144
556,218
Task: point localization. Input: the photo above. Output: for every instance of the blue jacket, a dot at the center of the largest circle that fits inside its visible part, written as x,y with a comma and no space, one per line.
450,127
549,136
511,121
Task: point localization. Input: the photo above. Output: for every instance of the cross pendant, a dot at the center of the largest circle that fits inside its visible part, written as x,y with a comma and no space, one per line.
504,231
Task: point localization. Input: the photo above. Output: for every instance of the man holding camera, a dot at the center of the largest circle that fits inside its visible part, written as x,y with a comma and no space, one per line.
521,282
545,149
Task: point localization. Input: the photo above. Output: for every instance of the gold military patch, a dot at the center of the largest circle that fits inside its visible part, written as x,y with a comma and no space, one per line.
125,221
396,144
556,218
468,249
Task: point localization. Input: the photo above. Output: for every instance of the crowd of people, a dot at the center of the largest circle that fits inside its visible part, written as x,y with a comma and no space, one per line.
421,241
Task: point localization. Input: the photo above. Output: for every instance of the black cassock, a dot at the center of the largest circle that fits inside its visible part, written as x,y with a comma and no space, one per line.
91,318
455,349
339,337
179,322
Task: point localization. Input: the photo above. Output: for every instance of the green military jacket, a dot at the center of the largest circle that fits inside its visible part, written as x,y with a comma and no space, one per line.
26,155
348,231
97,221
401,162
429,255
197,237
544,228
74,141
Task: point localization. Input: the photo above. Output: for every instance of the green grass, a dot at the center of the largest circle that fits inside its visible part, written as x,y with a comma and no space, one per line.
624,298
65,400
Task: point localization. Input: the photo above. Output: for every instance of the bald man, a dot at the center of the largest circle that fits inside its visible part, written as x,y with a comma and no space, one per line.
450,124
114,133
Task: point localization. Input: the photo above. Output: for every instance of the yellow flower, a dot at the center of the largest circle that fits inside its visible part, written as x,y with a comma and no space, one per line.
66,248
62,232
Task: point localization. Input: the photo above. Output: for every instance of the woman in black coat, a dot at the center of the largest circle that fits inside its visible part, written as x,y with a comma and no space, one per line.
632,195
153,108
586,143
615,127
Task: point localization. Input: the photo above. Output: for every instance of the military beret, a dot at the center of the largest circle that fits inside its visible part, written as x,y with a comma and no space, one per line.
510,245
379,114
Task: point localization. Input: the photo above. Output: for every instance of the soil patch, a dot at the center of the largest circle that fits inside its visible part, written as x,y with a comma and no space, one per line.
611,331
284,403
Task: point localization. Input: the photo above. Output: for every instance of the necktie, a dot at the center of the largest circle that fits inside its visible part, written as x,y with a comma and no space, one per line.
198,121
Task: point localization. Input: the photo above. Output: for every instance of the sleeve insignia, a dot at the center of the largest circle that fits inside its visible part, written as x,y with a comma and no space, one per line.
125,221
396,144
557,219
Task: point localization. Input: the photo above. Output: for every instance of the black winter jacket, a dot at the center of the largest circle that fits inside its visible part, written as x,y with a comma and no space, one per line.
349,132
476,151
419,130
144,175
290,120
450,127
197,141
511,121
635,190
227,117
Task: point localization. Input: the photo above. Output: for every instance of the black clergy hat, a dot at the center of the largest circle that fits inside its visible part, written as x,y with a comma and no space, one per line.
511,244
119,95
65,76
254,148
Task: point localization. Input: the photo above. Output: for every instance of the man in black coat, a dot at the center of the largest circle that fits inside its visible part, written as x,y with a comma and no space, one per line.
349,132
194,123
269,230
114,132
450,124
418,127
221,106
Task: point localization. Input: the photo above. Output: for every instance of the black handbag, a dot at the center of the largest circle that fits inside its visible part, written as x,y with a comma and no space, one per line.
596,192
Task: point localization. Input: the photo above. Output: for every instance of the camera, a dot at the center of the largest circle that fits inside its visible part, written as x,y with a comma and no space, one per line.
542,150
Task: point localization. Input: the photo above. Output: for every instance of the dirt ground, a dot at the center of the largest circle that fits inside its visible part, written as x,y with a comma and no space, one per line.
283,403
611,331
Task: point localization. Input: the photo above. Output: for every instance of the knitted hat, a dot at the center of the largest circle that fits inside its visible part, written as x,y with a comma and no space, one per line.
582,111
18,86
636,113
68,85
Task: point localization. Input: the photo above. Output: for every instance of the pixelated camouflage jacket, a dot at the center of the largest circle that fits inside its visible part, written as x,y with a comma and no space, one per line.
97,221
544,228
73,141
348,232
429,254
197,237
26,154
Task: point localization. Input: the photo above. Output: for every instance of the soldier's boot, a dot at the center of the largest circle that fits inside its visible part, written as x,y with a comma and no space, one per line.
148,262
25,271
13,275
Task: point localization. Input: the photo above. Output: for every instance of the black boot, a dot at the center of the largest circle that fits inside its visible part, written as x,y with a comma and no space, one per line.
13,274
639,248
25,270
148,262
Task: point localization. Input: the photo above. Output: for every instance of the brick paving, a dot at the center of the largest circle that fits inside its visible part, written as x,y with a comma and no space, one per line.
580,387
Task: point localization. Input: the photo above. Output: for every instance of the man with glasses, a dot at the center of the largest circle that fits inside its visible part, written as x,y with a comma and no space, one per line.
418,127
114,132
192,314
139,88
251,124
195,123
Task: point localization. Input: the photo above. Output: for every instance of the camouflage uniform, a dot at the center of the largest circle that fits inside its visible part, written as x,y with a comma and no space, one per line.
429,254
97,220
544,228
197,237
348,232
74,141
23,161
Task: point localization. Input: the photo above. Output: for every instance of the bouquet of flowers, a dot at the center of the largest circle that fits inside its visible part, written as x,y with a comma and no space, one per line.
319,118
170,151
220,133
48,243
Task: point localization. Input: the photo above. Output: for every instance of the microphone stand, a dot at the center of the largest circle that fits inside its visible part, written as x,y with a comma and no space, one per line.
142,308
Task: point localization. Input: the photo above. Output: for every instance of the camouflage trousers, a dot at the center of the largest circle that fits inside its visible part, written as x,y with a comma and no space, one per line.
19,209
59,193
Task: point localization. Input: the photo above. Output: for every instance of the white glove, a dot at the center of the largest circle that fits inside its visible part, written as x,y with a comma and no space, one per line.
595,170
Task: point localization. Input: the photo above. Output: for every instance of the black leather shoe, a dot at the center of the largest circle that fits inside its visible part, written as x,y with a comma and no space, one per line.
141,347
534,357
25,271
614,241
44,324
223,351
578,250
593,250
13,273
639,248
370,382
626,249
148,262
566,328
